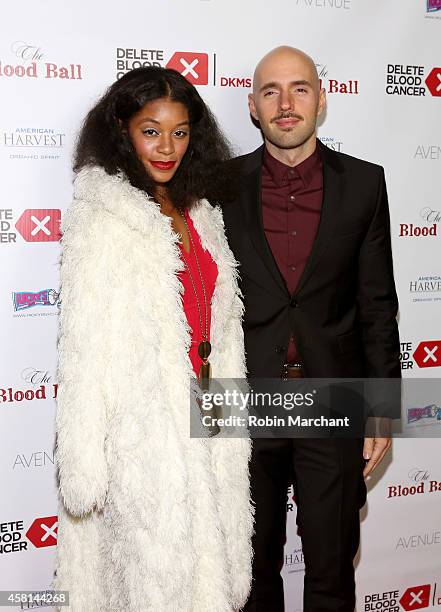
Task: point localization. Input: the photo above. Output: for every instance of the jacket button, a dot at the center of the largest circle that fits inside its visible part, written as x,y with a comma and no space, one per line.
293,303
280,349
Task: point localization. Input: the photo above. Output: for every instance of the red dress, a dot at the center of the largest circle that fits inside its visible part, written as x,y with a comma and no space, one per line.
209,274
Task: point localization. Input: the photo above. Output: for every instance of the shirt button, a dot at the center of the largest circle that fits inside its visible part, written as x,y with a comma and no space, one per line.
291,172
292,198
293,233
293,268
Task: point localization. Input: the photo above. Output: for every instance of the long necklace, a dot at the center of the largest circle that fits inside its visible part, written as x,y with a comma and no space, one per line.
204,348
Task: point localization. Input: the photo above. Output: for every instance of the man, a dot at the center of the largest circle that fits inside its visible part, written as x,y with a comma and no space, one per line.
310,229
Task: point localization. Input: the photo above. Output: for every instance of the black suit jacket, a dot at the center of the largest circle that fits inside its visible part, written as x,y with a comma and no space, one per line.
343,312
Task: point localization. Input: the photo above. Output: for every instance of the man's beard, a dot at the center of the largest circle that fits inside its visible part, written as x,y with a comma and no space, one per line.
290,139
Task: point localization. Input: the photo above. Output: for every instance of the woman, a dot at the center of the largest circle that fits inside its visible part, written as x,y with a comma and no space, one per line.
149,519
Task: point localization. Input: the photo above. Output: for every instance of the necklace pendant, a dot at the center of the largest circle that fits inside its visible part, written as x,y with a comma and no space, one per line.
204,350
205,375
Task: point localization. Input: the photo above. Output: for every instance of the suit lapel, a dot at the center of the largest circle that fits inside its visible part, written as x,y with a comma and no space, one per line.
252,199
332,193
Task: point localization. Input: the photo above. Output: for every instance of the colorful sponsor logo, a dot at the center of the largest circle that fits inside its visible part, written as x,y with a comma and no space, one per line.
411,598
196,66
193,65
433,81
34,225
428,412
412,80
433,6
415,598
428,354
29,299
40,225
41,533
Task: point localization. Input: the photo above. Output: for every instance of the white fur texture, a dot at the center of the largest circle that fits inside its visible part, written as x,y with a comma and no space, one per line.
149,519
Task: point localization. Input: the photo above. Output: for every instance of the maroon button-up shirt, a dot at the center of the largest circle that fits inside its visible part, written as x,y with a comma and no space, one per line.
291,208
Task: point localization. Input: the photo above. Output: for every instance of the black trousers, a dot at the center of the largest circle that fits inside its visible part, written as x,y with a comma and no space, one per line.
329,490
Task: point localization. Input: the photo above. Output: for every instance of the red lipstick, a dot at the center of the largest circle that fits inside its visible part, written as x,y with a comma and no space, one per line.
163,165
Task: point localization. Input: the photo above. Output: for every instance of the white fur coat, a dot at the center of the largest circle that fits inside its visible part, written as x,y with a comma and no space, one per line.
149,519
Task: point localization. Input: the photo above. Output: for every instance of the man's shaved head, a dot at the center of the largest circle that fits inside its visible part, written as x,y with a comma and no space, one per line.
286,101
284,56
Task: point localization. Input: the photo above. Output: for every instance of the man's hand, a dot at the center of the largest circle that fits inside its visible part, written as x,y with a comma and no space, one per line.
374,450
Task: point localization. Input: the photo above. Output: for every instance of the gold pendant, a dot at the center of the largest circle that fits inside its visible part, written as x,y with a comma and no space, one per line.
205,375
204,350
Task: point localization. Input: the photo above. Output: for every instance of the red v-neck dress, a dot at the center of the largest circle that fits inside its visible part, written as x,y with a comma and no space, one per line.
209,274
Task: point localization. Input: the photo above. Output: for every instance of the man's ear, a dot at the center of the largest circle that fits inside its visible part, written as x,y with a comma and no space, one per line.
252,106
322,101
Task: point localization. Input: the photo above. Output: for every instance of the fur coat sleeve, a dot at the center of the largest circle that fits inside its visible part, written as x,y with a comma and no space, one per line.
81,414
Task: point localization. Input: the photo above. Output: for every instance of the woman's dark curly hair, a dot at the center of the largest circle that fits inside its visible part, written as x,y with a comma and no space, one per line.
104,138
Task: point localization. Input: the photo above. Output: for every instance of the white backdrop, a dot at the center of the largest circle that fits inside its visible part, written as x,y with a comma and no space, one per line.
380,62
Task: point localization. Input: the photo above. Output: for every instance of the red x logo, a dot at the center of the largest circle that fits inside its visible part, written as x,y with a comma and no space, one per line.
194,66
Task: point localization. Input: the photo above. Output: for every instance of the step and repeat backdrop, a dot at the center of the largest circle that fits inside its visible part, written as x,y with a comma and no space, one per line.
380,63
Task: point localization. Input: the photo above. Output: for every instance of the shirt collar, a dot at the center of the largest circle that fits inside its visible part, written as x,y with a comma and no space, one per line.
282,173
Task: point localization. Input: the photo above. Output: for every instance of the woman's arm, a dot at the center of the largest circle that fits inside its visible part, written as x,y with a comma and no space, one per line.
82,355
